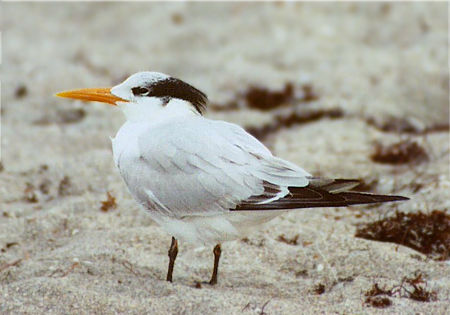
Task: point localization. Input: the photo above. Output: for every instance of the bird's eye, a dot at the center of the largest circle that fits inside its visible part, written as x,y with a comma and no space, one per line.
140,91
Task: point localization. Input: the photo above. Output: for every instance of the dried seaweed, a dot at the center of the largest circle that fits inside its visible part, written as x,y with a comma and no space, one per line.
290,241
319,288
256,243
413,288
378,301
376,290
109,203
198,285
263,99
301,117
402,152
426,233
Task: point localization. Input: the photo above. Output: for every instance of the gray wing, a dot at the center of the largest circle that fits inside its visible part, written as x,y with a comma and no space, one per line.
204,167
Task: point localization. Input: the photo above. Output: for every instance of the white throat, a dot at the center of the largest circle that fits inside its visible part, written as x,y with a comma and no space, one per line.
153,110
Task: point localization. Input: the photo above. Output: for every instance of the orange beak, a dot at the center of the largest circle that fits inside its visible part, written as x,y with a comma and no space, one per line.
98,95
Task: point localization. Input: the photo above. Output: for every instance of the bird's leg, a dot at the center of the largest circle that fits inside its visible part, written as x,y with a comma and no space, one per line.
217,251
173,251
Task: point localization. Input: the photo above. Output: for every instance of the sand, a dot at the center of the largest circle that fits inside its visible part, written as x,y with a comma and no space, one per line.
60,254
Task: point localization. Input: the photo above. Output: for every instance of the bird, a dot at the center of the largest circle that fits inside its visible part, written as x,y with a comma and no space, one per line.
205,181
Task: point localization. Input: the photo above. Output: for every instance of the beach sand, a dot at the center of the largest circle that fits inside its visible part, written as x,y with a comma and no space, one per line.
375,63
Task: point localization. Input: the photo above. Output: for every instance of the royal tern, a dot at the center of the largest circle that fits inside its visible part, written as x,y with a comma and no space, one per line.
205,181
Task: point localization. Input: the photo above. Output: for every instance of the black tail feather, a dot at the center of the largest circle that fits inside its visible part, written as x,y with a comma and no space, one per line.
315,197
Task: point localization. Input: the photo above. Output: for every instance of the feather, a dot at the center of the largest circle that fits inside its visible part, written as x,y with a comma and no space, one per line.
330,194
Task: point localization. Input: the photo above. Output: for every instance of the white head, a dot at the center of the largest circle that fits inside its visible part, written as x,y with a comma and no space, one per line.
148,96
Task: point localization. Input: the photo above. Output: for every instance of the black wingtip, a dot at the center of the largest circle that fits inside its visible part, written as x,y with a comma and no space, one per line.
363,198
393,198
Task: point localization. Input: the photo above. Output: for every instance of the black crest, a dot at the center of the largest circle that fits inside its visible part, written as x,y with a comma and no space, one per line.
174,88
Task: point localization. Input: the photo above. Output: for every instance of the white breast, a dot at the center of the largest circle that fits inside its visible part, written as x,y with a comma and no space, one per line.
134,170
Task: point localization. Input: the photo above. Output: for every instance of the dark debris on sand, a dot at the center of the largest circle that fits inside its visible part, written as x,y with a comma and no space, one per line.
295,118
265,99
414,288
403,152
428,233
109,203
290,241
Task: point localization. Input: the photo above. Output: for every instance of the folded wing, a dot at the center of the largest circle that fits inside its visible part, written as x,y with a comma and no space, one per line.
204,167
